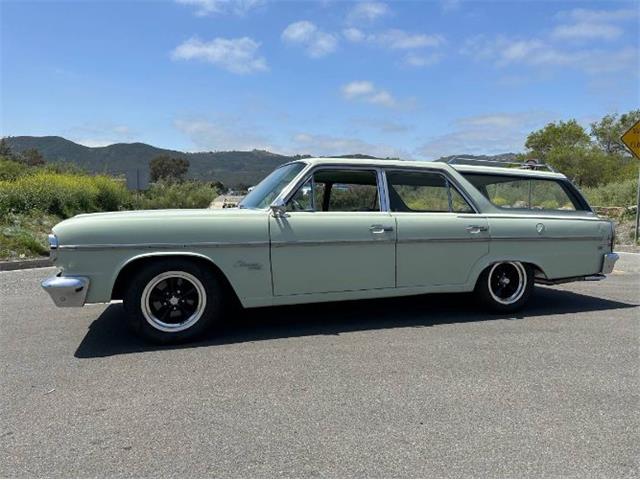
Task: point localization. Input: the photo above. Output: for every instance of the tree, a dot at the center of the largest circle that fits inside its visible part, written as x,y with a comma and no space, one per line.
168,169
32,157
5,149
556,135
218,185
588,162
607,132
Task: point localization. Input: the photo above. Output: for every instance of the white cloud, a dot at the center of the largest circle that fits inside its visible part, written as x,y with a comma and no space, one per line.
99,134
366,91
395,39
237,55
215,7
327,145
316,42
420,60
223,134
367,12
598,16
450,5
587,31
354,35
584,25
485,134
504,51
399,39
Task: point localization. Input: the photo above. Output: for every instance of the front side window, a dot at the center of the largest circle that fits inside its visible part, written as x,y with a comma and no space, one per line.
423,192
268,189
334,190
523,193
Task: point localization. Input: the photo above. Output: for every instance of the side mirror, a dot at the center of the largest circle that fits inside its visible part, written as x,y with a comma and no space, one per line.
279,209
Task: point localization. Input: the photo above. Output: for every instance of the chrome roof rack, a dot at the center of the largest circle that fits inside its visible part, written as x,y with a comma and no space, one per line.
482,162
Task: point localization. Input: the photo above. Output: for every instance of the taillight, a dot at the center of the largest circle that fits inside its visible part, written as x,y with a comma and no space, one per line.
613,236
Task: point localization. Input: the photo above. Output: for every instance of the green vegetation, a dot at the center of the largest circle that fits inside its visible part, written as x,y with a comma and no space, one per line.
164,168
620,194
589,159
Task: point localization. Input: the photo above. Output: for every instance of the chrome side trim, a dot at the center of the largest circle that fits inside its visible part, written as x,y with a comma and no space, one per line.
536,239
533,214
112,246
67,291
318,243
489,239
444,240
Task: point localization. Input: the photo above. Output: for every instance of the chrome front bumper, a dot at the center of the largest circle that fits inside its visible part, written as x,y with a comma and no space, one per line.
67,291
608,262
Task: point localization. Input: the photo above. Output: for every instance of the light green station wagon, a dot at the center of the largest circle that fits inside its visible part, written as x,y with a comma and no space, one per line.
325,229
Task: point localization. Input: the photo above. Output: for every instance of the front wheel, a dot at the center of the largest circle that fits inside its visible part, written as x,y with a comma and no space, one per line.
505,286
173,300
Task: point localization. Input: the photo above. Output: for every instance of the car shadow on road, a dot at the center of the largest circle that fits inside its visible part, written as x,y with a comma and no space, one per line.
108,334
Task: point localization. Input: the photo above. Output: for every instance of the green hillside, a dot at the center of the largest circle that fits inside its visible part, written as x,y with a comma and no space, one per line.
231,168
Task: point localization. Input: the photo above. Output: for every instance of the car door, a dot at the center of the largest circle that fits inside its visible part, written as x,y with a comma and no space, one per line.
440,237
334,236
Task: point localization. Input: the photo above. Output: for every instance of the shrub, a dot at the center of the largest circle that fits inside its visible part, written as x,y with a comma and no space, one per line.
10,169
59,194
615,194
176,195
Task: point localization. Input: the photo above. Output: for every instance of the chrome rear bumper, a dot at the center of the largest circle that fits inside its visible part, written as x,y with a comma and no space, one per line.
67,291
608,262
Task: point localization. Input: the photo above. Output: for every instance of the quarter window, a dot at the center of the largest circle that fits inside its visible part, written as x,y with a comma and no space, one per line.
423,192
523,193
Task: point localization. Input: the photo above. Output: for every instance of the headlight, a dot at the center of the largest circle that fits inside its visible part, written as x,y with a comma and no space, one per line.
53,246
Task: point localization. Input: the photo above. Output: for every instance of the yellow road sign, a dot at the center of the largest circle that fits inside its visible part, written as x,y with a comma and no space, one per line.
632,139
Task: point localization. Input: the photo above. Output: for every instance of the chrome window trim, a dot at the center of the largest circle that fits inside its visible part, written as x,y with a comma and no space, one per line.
110,246
318,243
307,173
450,182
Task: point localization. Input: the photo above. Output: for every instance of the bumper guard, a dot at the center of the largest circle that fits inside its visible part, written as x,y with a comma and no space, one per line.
67,291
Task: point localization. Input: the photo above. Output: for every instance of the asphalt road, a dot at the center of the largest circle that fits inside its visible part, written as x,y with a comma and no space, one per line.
426,386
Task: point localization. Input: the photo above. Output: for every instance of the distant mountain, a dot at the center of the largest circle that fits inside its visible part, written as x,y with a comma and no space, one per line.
231,168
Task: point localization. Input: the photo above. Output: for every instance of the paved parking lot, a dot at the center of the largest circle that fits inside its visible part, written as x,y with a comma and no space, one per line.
426,386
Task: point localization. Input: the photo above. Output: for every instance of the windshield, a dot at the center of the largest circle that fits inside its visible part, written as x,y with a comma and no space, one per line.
268,189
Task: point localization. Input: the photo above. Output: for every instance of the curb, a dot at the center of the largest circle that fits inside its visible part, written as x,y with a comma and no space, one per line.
23,264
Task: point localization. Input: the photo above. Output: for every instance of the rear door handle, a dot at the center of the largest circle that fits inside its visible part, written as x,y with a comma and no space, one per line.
378,229
476,229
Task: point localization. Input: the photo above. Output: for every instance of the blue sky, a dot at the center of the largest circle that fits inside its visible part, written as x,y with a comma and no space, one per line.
411,79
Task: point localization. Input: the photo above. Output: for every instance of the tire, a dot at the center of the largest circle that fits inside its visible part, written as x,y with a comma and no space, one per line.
173,301
505,286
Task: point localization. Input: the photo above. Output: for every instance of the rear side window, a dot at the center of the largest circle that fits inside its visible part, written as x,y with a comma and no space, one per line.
423,192
524,193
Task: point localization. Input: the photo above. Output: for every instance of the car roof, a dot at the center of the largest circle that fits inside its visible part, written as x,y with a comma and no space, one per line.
433,165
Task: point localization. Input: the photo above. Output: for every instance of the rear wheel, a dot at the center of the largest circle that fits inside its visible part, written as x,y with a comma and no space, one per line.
173,300
505,286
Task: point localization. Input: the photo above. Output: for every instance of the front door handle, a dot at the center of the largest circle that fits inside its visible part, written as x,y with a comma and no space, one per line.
378,229
476,229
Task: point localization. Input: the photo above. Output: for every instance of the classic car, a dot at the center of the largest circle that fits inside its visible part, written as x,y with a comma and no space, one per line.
326,229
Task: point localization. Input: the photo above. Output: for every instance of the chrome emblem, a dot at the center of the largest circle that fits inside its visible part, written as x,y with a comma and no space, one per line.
540,228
